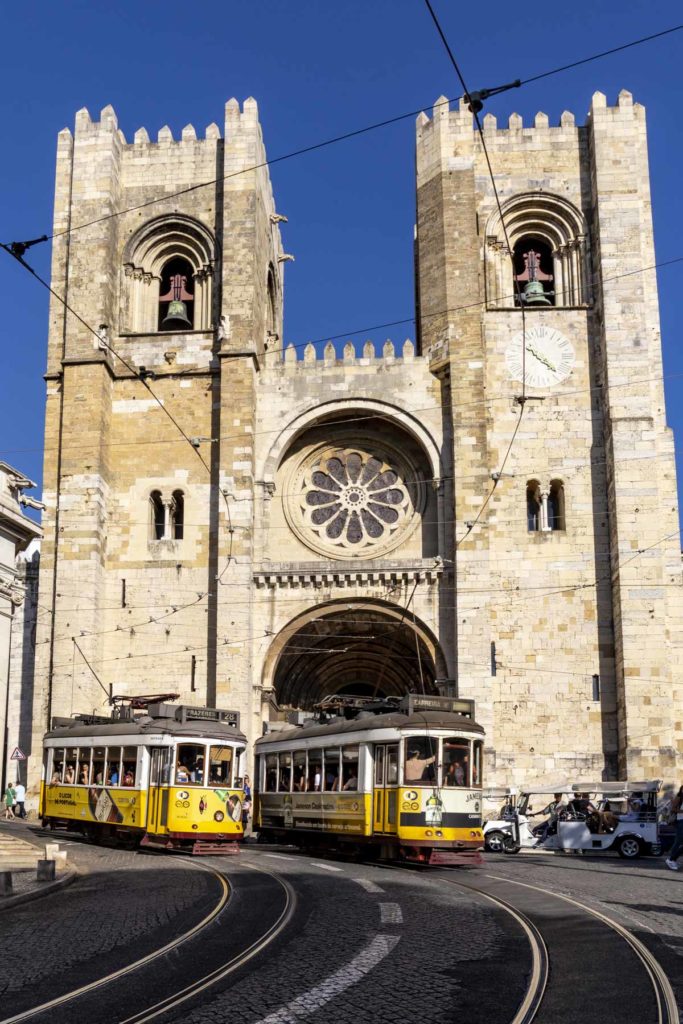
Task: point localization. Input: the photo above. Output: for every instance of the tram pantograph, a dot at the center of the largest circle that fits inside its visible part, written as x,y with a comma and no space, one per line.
398,777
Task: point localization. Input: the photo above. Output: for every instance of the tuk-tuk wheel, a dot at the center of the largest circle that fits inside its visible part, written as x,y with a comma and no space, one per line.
495,842
630,847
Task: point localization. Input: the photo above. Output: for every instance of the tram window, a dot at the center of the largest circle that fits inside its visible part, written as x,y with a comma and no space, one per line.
129,765
57,765
113,775
349,768
456,762
331,769
98,756
271,773
285,780
476,764
221,765
84,767
189,769
300,771
419,759
392,766
315,771
70,760
379,766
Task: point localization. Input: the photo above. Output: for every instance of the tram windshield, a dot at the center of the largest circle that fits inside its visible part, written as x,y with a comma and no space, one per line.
420,759
456,762
221,766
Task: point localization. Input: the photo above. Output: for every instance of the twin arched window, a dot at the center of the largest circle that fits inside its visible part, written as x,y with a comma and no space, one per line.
545,509
166,516
549,265
168,277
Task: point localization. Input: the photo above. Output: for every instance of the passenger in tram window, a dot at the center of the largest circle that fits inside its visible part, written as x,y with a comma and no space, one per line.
352,781
317,778
416,767
455,776
70,775
99,777
113,779
85,775
182,776
300,784
128,777
56,776
197,773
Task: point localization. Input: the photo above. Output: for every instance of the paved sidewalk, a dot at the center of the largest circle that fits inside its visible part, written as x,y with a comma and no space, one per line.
20,851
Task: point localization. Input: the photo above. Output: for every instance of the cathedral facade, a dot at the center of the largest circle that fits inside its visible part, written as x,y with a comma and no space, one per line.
488,510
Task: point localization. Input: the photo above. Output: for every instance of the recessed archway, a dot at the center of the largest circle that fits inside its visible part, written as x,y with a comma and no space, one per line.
363,648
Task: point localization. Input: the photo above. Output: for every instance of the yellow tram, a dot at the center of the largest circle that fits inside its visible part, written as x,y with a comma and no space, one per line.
167,778
400,778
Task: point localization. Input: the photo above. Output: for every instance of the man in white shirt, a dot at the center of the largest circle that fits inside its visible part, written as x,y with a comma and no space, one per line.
19,809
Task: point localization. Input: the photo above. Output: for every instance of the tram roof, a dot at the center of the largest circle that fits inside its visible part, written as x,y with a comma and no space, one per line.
423,720
145,725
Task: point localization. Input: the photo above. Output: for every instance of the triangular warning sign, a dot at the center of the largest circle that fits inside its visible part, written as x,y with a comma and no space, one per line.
18,755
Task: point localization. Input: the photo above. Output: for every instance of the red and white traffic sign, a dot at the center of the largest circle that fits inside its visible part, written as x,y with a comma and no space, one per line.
18,755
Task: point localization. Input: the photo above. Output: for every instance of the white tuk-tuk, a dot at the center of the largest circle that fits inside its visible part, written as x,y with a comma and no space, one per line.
597,816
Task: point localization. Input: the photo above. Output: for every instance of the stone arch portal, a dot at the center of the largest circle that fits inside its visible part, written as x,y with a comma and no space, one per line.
364,648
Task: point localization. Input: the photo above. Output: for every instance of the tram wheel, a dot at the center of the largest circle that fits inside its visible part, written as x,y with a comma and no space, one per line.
630,847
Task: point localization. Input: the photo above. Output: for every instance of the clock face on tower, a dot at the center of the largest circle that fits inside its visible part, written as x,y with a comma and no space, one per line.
548,357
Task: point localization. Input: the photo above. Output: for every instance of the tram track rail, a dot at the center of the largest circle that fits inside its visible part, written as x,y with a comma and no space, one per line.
47,1009
667,1005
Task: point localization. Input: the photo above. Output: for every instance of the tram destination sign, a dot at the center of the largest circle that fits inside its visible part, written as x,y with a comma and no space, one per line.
188,713
413,702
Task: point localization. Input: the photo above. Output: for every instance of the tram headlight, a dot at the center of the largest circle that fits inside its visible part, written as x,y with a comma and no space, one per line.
428,832
439,833
218,816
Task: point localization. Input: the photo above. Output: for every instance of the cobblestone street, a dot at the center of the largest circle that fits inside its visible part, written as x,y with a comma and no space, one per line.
331,941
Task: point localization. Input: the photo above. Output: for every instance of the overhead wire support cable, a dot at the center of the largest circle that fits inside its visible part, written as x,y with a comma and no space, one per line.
472,97
140,375
475,105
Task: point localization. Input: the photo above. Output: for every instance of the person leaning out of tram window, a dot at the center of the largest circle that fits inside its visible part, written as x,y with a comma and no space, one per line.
69,775
85,772
128,777
416,766
56,777
182,776
677,815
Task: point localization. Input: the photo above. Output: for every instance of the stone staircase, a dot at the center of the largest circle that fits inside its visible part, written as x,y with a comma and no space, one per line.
16,854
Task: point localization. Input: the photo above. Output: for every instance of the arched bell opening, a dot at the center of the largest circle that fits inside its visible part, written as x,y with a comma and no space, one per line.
534,273
176,298
359,650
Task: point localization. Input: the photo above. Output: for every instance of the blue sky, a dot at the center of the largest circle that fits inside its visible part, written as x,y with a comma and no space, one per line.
317,69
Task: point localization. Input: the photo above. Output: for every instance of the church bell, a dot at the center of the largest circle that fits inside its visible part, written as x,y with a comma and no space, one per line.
534,295
176,318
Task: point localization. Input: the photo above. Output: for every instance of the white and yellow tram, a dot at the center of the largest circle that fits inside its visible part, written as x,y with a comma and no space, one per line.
401,779
169,778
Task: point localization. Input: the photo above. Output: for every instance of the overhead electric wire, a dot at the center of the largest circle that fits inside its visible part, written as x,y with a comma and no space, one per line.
354,133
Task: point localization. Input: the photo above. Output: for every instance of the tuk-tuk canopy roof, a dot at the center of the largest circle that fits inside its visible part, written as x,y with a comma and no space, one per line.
617,787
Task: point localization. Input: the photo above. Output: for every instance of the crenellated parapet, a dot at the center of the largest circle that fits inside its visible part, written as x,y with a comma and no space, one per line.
353,354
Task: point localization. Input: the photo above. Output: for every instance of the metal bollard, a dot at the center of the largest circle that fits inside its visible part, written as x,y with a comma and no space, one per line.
46,870
5,883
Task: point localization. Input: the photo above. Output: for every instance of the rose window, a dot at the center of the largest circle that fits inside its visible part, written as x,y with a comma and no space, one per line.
355,500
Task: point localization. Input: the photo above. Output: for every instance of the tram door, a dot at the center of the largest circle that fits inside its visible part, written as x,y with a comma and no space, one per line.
385,792
157,814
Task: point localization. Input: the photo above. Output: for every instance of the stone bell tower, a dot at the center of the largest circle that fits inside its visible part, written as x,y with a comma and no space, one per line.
567,564
146,559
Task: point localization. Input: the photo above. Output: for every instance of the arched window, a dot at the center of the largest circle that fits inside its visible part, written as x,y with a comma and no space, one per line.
157,517
549,241
534,276
176,301
556,518
533,505
178,524
156,259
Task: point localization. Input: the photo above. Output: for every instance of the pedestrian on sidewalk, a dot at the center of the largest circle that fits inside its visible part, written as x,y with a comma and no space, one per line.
20,797
677,848
10,797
